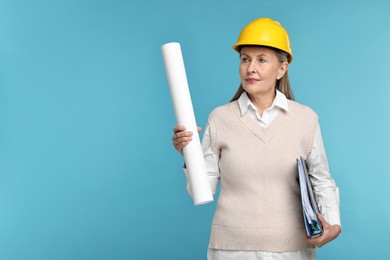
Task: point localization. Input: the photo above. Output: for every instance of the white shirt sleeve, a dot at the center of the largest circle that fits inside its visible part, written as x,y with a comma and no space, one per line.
325,189
211,162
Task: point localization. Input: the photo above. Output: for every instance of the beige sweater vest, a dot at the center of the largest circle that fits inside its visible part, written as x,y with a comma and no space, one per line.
259,203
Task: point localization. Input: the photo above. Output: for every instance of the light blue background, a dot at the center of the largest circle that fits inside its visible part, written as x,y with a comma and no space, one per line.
87,169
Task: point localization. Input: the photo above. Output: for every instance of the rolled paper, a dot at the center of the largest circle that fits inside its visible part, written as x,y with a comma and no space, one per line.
184,113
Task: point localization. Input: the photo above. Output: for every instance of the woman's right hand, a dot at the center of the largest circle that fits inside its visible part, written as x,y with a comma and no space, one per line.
181,137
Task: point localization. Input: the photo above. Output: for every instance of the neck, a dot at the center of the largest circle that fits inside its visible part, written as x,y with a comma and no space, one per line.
262,102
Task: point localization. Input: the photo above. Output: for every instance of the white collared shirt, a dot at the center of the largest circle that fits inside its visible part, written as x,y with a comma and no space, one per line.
279,103
327,192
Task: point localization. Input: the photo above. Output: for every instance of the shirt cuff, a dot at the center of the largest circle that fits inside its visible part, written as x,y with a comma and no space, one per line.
185,170
188,184
333,218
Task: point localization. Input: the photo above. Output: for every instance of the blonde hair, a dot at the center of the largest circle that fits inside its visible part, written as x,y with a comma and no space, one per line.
282,84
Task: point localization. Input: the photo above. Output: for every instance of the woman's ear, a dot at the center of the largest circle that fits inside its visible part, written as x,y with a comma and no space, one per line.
282,70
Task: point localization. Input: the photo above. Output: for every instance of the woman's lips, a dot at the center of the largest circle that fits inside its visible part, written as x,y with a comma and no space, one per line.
251,80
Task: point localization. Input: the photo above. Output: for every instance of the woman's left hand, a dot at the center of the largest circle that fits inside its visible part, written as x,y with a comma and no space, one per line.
330,232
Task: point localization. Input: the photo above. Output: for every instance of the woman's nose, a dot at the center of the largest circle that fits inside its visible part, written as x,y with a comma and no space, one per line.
251,68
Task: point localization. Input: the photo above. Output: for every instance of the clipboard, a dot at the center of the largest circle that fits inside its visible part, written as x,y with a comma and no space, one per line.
310,210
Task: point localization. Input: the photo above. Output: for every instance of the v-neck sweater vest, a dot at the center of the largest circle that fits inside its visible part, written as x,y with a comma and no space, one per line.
259,203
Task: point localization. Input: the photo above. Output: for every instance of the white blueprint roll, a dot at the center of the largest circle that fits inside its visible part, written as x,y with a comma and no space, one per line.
184,112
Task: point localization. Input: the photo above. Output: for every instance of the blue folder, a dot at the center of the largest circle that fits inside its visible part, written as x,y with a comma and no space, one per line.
310,210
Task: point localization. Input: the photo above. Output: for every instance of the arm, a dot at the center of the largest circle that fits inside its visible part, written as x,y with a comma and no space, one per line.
181,138
326,191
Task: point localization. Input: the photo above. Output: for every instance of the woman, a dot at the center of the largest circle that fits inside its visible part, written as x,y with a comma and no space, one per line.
251,144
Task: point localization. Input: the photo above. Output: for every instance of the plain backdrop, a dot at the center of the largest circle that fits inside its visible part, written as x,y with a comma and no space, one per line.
87,168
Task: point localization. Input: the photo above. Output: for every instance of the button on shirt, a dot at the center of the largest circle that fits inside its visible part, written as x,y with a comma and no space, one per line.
326,191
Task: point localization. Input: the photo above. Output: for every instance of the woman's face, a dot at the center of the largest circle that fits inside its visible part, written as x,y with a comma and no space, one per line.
259,70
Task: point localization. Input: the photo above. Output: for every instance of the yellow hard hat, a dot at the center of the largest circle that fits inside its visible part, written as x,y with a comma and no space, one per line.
265,32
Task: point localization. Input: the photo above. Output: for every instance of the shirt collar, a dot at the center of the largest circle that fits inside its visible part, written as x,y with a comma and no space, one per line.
244,102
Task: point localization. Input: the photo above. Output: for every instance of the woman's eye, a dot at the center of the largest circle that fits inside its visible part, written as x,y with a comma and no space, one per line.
244,59
262,60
